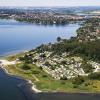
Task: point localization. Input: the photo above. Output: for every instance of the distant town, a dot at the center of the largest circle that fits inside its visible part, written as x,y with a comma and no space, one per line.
47,16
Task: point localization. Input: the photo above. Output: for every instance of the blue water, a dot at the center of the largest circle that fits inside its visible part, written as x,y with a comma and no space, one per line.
9,89
16,36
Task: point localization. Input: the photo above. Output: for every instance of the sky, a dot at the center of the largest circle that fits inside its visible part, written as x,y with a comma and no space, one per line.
48,3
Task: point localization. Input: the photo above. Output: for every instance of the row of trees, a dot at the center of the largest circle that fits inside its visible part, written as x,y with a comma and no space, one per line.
44,21
89,49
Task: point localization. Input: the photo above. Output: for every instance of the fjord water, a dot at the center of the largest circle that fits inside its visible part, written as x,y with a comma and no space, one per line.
16,36
9,87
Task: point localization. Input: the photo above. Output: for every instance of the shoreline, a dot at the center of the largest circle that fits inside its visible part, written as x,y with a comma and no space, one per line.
33,85
35,90
14,53
25,87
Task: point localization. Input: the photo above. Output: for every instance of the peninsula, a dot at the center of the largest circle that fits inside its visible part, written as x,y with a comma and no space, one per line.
68,65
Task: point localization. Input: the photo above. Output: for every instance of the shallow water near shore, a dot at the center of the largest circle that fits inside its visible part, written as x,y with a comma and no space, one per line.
9,89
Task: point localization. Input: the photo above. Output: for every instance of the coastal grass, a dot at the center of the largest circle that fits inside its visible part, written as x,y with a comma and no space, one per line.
46,83
14,56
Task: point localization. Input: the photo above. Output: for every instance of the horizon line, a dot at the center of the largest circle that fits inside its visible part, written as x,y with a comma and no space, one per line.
52,6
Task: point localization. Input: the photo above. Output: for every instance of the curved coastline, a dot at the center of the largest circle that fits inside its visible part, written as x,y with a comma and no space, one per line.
26,81
25,86
34,94
30,91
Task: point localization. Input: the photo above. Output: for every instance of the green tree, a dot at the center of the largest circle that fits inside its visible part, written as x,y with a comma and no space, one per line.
78,80
88,68
94,76
58,39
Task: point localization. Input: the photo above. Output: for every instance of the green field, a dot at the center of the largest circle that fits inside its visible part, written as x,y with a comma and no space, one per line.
46,83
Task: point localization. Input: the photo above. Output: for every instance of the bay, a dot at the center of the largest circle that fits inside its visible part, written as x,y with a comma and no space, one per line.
17,36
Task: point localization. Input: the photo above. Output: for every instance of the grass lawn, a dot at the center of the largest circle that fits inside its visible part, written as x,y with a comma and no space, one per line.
14,57
45,82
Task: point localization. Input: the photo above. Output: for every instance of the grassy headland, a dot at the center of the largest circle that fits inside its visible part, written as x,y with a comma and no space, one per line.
67,66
